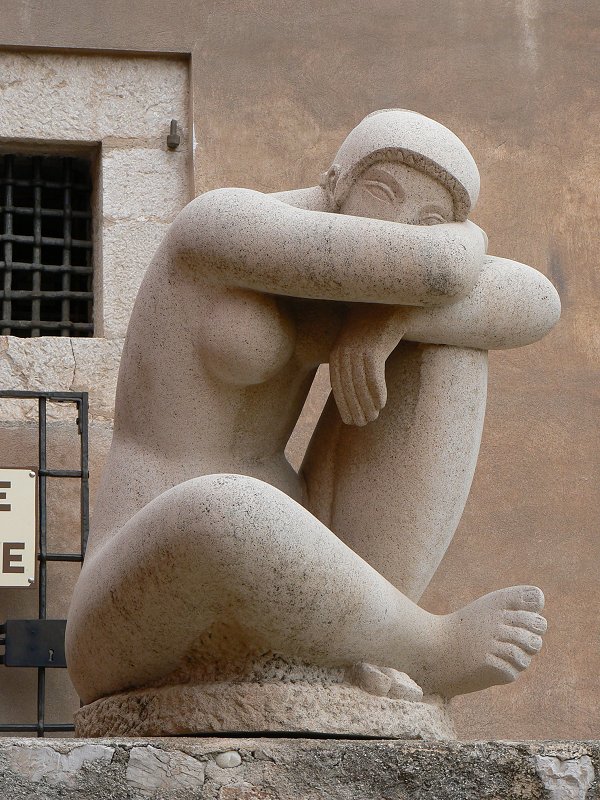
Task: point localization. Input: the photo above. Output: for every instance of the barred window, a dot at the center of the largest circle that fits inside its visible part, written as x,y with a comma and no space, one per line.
45,246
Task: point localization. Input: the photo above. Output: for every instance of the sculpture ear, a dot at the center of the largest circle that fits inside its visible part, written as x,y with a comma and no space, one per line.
328,181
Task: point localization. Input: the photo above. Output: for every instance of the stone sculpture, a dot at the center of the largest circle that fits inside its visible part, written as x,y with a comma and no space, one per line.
222,591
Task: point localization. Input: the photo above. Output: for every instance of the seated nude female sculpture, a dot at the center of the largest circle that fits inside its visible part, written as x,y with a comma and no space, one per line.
213,567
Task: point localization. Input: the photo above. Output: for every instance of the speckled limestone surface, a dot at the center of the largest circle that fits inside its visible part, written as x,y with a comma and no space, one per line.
296,769
118,109
277,707
208,553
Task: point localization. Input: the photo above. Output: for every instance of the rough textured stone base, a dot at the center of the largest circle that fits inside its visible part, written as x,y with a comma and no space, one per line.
334,709
295,769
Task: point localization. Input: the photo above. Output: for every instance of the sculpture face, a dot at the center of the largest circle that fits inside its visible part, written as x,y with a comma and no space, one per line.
396,192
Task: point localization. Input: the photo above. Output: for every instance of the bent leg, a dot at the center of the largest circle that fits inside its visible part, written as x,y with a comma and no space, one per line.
395,489
511,305
229,548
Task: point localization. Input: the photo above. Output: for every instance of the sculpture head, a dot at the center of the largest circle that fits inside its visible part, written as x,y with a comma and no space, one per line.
401,166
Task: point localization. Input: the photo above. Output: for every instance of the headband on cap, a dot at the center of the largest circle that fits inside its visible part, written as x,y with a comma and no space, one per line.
396,134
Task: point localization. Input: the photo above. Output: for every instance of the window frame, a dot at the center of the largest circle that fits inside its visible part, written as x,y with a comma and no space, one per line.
71,326
91,152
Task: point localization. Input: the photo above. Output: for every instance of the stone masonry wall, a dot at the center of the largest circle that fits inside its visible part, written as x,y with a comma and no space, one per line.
119,109
296,769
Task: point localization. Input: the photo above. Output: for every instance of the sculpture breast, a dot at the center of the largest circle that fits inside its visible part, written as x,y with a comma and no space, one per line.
248,338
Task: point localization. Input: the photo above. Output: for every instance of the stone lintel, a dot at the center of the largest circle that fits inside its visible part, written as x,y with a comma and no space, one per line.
263,768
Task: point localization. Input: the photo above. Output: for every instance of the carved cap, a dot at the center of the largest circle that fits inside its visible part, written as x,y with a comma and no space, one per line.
396,134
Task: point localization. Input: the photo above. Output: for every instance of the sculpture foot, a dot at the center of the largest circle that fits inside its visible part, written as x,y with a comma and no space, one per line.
489,642
384,682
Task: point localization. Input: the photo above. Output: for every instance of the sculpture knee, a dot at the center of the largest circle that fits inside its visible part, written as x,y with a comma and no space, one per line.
222,496
224,515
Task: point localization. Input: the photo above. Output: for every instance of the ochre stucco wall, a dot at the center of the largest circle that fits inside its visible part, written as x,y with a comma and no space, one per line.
276,85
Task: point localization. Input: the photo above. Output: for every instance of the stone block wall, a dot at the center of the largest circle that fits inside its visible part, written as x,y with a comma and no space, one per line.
296,769
118,110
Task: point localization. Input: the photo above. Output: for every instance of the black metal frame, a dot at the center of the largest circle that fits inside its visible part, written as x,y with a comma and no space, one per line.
71,292
81,401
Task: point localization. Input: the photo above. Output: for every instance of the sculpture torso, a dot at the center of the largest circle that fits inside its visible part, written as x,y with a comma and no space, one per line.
240,367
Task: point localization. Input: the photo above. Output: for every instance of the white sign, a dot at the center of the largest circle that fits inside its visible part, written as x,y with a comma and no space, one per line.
17,527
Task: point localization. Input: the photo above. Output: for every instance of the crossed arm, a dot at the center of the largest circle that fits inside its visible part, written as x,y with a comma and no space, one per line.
511,305
426,283
255,241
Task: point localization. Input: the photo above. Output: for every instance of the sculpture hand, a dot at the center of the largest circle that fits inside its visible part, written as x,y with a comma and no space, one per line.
358,383
357,361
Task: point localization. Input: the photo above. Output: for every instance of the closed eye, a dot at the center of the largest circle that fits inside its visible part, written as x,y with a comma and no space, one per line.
380,191
432,218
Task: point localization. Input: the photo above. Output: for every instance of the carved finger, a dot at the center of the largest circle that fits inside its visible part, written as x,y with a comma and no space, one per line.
336,387
349,388
361,390
375,374
343,389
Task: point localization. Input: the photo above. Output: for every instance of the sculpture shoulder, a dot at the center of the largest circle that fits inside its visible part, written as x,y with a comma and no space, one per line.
214,210
225,231
222,215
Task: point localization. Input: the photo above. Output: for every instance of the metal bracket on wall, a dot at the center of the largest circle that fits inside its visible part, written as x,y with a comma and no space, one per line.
173,139
33,643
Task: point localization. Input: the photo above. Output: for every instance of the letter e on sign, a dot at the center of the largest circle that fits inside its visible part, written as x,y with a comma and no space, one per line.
18,527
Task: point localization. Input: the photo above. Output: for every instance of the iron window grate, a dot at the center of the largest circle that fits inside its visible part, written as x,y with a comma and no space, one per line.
80,399
45,246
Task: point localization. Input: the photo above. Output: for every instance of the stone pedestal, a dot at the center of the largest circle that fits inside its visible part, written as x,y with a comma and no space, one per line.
295,769
254,708
273,695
